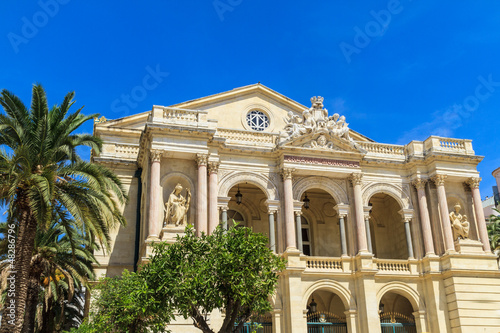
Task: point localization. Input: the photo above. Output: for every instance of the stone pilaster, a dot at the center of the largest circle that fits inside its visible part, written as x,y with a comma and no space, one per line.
478,210
443,210
201,202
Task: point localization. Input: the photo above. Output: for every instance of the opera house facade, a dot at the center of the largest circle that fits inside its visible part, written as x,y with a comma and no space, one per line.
378,237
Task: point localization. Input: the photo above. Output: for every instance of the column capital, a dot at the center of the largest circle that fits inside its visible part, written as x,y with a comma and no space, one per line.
286,173
298,213
406,214
222,202
155,155
213,167
473,182
201,159
439,179
356,178
342,210
272,206
366,211
419,183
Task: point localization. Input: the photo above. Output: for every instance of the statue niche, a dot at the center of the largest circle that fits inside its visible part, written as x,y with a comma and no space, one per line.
176,208
459,224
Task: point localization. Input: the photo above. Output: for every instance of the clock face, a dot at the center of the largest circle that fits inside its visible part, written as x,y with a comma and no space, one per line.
257,120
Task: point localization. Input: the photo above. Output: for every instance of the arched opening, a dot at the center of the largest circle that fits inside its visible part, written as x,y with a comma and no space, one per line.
320,224
396,314
325,313
250,210
387,230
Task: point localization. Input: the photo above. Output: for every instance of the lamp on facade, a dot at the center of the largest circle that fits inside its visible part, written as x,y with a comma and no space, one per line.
381,308
313,306
306,201
238,196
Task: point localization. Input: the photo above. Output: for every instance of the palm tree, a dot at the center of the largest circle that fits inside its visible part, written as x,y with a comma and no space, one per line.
41,174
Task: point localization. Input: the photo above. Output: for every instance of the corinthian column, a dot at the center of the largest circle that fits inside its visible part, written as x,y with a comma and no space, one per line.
201,202
478,210
443,210
213,213
155,208
425,221
356,179
286,173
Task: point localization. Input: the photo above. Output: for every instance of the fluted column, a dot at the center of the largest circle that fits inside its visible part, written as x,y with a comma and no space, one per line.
356,179
443,210
155,208
213,213
425,221
288,197
478,210
201,203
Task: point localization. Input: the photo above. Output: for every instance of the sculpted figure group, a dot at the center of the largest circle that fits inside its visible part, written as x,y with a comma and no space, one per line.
315,119
459,224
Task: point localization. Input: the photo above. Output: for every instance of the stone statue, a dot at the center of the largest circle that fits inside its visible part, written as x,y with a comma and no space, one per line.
315,120
459,224
176,207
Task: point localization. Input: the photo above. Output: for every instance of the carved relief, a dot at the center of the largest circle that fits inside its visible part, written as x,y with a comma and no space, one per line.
176,208
321,143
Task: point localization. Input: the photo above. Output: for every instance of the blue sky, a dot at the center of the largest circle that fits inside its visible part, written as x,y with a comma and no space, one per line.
398,70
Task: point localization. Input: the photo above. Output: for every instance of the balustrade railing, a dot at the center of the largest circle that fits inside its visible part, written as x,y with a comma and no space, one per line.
323,263
382,148
393,265
247,137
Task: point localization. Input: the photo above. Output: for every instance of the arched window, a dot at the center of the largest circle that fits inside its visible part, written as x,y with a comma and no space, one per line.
306,237
236,216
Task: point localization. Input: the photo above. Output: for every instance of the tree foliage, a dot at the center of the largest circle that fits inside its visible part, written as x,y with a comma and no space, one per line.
42,178
493,228
231,271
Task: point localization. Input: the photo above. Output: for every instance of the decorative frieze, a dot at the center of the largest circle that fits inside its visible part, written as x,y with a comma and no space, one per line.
320,161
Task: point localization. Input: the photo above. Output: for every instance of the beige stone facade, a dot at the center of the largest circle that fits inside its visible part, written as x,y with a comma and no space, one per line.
365,226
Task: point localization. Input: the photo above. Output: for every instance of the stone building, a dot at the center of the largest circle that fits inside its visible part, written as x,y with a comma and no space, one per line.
377,236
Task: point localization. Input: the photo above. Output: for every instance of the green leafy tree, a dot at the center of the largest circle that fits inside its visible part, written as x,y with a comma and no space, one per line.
232,271
41,173
125,304
493,228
